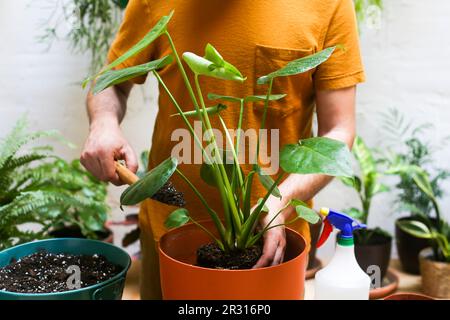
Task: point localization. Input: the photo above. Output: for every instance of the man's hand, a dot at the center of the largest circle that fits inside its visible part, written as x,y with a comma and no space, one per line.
275,238
105,144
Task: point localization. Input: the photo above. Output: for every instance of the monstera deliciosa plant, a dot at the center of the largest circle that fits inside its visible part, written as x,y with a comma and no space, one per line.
238,229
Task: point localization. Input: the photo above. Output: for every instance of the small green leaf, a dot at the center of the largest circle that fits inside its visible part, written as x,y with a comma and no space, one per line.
355,213
415,228
258,98
307,214
177,218
353,182
299,66
152,35
364,156
317,155
267,181
210,110
114,77
213,96
150,184
212,65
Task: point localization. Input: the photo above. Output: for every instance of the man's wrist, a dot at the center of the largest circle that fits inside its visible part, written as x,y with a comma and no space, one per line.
105,122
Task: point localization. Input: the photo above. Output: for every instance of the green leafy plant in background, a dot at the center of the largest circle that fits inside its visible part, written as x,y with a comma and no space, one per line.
367,185
438,231
93,25
419,183
365,8
221,168
416,151
38,187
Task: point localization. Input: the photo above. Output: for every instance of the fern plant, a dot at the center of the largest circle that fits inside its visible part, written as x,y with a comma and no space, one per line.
416,151
38,187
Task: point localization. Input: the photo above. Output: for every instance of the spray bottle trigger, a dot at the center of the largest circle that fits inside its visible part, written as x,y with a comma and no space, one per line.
327,229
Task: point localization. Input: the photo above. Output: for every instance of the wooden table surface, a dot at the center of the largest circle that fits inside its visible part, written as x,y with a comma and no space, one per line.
408,283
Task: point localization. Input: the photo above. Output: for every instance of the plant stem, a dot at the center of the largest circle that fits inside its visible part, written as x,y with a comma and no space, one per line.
250,224
213,214
180,111
263,120
184,75
227,187
219,243
235,157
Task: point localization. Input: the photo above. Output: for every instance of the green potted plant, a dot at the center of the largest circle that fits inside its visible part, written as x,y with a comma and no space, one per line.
39,191
235,237
372,245
39,188
410,200
435,260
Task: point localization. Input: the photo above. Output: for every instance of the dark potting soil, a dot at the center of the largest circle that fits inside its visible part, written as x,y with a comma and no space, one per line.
210,256
169,195
44,272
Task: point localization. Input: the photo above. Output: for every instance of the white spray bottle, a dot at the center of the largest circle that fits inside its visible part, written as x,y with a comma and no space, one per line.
342,278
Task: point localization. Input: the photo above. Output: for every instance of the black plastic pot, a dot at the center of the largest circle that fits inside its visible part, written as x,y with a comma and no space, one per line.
408,248
377,251
105,235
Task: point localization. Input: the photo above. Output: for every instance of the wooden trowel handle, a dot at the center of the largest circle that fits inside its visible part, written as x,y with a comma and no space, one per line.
125,174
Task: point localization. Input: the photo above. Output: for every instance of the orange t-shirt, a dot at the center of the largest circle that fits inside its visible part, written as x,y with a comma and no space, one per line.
257,37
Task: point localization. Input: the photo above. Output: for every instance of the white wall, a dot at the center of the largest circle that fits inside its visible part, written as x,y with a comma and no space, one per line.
407,63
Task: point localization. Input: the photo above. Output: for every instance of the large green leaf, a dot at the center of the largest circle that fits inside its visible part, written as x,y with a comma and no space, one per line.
114,77
299,66
416,228
177,218
150,184
307,214
317,155
212,65
267,181
159,28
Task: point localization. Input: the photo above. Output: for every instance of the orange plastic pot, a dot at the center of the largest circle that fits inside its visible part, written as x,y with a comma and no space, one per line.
181,279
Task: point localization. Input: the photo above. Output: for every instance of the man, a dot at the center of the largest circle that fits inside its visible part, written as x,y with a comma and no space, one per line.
257,37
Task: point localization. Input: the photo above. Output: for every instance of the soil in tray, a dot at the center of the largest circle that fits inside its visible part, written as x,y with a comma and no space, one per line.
210,256
44,272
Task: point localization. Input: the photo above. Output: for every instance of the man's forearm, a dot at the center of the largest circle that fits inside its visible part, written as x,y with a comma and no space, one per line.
109,106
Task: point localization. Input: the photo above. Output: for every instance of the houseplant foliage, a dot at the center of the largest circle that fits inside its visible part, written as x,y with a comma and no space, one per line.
416,151
365,8
434,261
372,246
221,168
95,23
38,187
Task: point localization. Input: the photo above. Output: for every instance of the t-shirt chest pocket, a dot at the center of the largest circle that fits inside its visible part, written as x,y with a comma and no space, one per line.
299,88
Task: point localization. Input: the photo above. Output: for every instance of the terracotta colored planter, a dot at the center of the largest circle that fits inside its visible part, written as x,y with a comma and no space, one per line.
435,275
377,254
182,280
408,296
408,248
